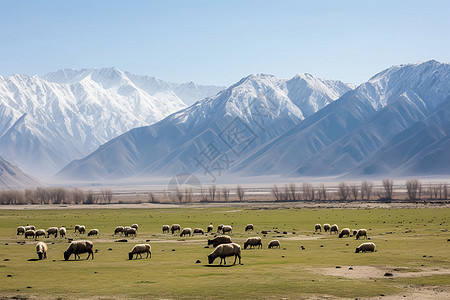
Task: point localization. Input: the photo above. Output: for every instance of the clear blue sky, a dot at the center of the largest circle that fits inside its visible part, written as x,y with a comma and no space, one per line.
219,42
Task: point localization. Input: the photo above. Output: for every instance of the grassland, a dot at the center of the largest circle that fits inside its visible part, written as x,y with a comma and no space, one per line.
409,241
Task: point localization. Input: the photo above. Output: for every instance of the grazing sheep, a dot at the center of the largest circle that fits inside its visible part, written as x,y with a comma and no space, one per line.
334,228
139,249
78,247
249,227
135,226
166,228
186,231
227,228
175,227
326,227
30,233
38,233
20,230
274,244
354,231
218,240
345,231
130,231
82,229
224,251
318,227
198,230
77,227
253,242
52,231
41,250
219,228
119,229
366,247
62,232
210,228
93,232
360,233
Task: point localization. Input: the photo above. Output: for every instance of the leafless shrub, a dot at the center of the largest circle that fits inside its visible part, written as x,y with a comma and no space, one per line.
106,196
343,191
203,196
388,185
188,195
355,192
152,198
308,192
276,192
292,190
322,192
226,194
240,193
366,190
444,192
212,192
412,187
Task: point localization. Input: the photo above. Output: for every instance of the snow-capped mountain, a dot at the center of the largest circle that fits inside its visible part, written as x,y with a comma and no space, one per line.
354,135
13,177
213,134
46,123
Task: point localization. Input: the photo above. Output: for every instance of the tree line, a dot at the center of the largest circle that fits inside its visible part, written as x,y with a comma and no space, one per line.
44,195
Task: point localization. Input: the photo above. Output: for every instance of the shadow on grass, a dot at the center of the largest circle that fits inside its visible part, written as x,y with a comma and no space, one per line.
33,259
221,266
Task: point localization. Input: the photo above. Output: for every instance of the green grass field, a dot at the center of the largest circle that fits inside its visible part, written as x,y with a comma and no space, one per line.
414,239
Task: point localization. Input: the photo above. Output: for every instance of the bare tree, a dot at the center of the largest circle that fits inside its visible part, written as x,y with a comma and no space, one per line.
412,187
212,192
240,193
226,193
152,198
366,190
286,193
188,195
90,198
388,185
322,192
179,194
308,191
444,191
292,189
203,196
276,192
343,191
355,192
419,191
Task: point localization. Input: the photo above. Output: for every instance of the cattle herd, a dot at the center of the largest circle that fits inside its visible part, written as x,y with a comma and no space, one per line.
224,246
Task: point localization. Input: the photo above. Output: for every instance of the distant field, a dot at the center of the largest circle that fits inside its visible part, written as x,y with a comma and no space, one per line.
412,245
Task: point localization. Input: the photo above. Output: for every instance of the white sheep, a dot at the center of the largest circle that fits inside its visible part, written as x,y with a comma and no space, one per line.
41,250
198,230
326,227
224,251
38,233
366,247
334,228
77,227
139,249
30,227
227,228
219,228
62,232
30,233
253,242
274,244
166,228
345,231
186,231
318,227
218,240
210,228
119,229
52,231
130,231
175,227
354,231
20,230
79,247
93,232
135,226
249,227
360,233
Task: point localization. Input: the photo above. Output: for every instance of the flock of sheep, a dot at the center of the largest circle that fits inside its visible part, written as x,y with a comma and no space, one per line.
364,247
224,247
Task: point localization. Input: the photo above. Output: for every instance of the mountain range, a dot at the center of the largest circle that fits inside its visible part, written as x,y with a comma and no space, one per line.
396,124
46,122
12,177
